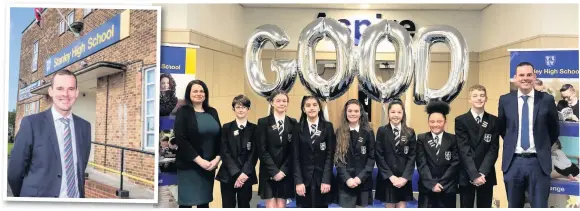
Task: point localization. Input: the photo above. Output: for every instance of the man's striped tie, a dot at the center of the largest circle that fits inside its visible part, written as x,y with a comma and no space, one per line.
71,183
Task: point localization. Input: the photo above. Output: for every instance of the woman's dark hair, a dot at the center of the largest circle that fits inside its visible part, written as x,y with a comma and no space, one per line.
188,101
172,83
304,116
438,107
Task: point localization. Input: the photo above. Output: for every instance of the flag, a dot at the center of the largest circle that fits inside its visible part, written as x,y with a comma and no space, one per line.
37,12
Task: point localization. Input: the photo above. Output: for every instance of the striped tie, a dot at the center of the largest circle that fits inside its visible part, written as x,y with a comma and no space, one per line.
280,129
438,144
71,183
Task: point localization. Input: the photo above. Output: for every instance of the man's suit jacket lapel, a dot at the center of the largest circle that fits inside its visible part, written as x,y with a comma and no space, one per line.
537,96
513,106
49,122
80,144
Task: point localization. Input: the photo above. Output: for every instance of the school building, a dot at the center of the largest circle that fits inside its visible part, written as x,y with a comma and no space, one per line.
113,53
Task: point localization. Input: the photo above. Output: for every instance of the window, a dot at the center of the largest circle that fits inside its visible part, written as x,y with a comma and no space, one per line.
149,108
87,11
70,18
35,57
61,27
31,108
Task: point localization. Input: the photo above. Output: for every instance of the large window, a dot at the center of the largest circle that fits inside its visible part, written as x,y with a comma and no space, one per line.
31,108
70,18
61,27
149,108
35,57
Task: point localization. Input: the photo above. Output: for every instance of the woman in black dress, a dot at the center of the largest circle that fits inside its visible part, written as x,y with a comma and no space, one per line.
355,157
396,145
313,143
197,136
273,136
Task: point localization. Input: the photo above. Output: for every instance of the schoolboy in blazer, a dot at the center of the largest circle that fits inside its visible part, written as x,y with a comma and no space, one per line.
478,143
239,157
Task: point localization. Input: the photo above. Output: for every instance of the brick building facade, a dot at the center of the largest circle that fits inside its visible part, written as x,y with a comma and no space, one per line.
116,83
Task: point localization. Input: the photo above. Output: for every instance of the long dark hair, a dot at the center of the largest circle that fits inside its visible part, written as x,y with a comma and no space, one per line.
188,101
404,128
304,116
343,131
172,83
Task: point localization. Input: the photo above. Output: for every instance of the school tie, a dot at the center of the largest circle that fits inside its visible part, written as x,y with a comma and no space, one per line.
280,129
312,129
396,133
71,186
478,120
525,137
437,144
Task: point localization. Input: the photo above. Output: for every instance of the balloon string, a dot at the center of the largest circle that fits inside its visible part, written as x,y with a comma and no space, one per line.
384,115
325,111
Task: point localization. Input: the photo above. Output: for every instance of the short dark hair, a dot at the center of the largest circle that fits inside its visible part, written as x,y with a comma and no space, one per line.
187,98
565,87
63,72
242,100
525,64
438,107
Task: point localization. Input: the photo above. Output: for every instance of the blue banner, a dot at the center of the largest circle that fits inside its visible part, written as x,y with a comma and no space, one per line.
173,60
547,63
24,93
99,38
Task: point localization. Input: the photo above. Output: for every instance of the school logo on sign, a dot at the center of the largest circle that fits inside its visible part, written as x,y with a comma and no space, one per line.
550,61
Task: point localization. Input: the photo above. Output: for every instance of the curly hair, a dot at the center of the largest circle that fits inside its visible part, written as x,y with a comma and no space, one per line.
172,84
438,107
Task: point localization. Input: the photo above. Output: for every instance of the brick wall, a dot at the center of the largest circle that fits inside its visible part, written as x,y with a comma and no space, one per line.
124,88
95,189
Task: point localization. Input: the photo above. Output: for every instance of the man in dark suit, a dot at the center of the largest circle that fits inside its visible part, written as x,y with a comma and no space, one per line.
528,123
478,143
237,172
52,148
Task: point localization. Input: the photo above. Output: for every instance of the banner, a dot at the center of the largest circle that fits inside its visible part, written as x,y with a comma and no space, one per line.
557,74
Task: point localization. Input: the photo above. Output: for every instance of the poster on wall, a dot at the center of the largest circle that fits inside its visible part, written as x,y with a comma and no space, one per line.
178,67
557,74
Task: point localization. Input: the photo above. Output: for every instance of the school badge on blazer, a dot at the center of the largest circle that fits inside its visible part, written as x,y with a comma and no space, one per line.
447,155
360,139
363,150
236,133
289,137
249,145
406,150
487,138
403,139
484,124
322,146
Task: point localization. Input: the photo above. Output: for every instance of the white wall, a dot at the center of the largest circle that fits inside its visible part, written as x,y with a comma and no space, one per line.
294,20
507,23
86,108
172,16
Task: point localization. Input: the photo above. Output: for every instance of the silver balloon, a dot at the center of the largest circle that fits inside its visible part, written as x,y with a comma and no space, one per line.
339,83
424,39
401,80
285,69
